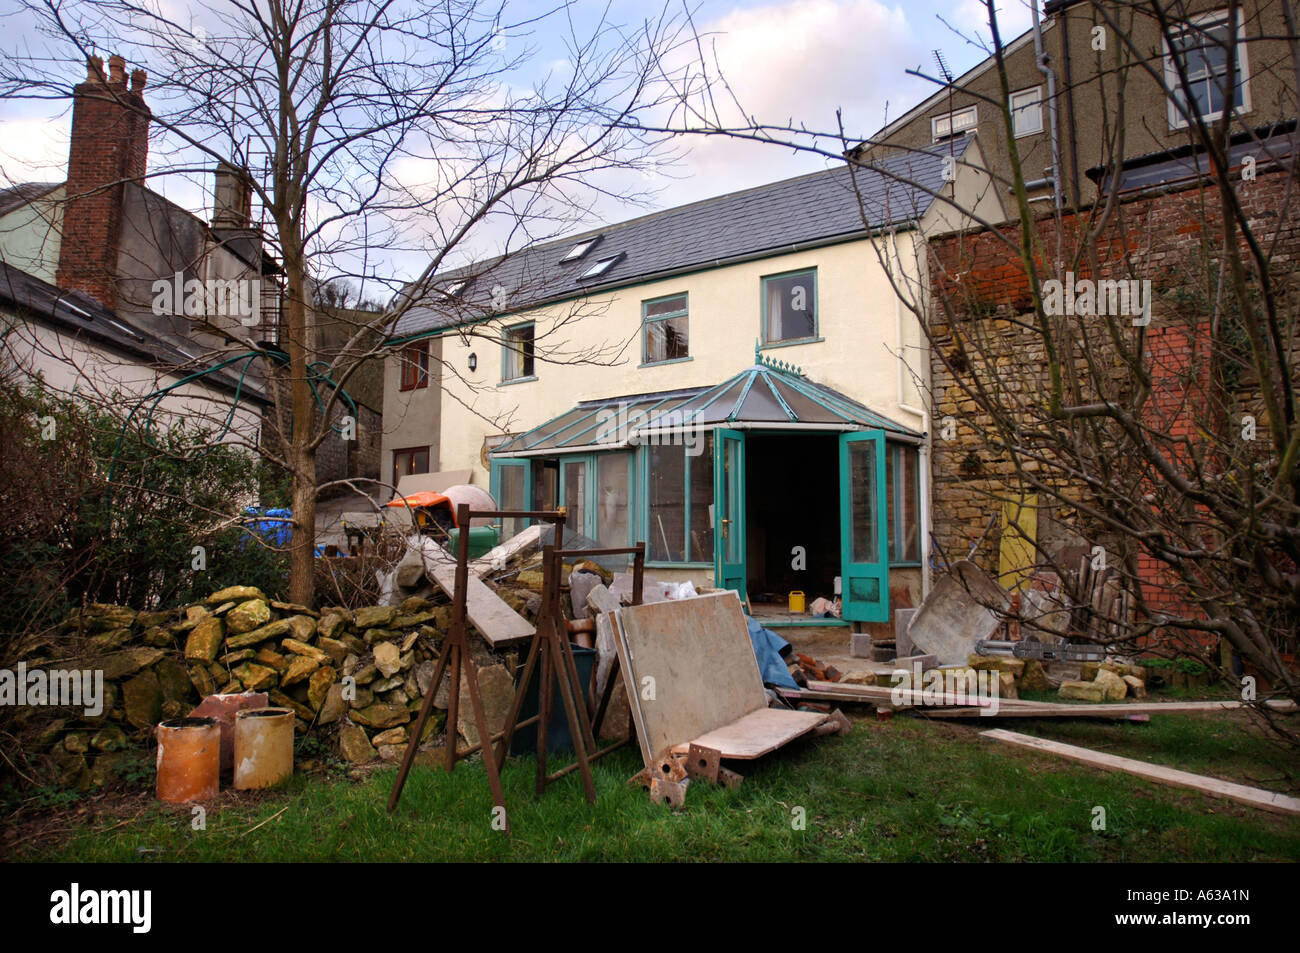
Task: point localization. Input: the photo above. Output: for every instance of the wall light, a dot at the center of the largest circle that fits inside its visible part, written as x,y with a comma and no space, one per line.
473,362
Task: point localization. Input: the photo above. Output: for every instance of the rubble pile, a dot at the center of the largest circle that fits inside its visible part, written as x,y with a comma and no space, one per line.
355,678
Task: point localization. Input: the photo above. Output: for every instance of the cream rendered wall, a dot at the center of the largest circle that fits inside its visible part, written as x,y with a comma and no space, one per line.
70,364
858,326
411,416
30,236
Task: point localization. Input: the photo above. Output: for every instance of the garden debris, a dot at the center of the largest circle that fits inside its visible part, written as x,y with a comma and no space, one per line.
1239,793
963,607
348,676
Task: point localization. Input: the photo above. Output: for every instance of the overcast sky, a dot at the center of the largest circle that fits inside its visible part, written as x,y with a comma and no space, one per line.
783,58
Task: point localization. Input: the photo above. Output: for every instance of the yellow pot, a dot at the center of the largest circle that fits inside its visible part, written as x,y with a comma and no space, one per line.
263,747
797,601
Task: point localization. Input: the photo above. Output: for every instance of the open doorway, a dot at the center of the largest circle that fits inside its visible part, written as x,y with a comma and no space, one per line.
792,496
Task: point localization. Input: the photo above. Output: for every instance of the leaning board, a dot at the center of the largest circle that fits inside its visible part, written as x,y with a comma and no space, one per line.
499,624
705,678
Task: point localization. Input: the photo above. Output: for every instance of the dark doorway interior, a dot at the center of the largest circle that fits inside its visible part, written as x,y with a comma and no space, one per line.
792,498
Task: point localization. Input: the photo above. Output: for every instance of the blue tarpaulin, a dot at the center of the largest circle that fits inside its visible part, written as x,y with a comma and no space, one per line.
768,647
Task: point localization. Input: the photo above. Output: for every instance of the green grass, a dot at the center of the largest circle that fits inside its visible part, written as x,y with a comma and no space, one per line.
903,790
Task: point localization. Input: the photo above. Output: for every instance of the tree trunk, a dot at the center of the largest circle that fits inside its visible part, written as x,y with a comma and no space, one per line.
302,456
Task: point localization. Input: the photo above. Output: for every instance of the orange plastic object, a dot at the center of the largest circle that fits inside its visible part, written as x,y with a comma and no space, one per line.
189,759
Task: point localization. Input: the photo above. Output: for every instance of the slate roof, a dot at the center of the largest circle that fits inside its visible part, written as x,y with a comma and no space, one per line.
80,315
767,220
19,195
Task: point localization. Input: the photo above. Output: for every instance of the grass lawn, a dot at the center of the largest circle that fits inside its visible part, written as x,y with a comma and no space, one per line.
904,790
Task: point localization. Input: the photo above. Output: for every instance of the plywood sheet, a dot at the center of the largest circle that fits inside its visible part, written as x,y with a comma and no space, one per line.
701,664
499,624
757,733
1240,793
432,482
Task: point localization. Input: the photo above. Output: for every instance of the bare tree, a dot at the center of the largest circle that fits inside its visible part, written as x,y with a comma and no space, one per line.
1166,440
418,128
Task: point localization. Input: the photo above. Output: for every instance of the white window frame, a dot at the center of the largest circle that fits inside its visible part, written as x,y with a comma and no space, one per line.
950,116
1037,93
1174,87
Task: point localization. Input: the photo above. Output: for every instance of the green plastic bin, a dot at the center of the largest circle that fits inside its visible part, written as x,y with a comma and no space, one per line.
557,734
481,539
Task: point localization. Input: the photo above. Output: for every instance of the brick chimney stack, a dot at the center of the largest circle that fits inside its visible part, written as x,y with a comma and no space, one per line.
110,146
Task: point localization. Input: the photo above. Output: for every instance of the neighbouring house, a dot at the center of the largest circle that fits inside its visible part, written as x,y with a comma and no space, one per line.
74,345
196,290
1070,103
736,382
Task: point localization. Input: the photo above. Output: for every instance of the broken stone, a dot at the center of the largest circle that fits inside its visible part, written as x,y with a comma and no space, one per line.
374,617
1136,687
108,738
354,746
498,691
1034,678
238,593
302,626
330,625
319,684
387,659
300,667
127,662
364,698
266,656
142,700
254,677
333,707
1007,685
248,616
393,736
335,649
865,677
202,680
302,648
1112,685
1083,691
173,679
261,634
381,715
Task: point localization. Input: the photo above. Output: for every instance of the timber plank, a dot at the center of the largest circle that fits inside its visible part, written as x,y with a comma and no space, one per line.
758,733
1240,793
499,624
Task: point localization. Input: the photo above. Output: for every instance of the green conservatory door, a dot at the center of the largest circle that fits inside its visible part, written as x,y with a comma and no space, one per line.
864,551
729,510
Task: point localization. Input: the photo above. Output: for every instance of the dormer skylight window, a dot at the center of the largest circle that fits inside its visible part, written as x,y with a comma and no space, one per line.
600,267
579,250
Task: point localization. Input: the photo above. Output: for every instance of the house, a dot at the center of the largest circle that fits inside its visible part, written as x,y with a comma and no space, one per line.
736,382
1070,104
186,294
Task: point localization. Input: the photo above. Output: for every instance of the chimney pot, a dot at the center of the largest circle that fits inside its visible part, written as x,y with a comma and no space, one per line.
117,70
95,68
137,80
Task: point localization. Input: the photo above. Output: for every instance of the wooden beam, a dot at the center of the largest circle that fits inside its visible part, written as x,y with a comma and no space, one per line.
498,623
1240,793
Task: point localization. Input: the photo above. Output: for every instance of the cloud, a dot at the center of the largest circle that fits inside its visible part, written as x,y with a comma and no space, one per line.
35,149
971,17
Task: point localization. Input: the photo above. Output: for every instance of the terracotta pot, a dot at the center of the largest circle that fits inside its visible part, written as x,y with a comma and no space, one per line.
189,757
263,747
223,709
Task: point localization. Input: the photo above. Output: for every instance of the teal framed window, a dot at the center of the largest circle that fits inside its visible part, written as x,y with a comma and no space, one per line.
679,501
665,329
790,307
518,353
903,492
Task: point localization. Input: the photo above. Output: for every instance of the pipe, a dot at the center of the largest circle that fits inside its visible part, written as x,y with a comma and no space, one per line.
1040,58
189,759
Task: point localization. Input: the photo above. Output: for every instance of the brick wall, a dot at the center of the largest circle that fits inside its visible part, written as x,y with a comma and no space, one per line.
983,329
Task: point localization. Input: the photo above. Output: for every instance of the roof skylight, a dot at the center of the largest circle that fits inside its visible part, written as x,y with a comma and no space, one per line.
600,267
580,249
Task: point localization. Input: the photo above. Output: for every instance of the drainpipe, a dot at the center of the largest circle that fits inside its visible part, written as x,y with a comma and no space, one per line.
1040,58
